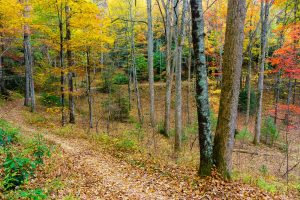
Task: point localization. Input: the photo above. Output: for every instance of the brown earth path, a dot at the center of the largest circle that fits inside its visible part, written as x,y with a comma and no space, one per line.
102,176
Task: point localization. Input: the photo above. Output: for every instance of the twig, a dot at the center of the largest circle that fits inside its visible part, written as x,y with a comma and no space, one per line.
291,168
250,152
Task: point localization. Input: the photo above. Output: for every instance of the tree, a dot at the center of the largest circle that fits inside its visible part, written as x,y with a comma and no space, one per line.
264,13
10,22
232,63
29,84
178,96
70,64
203,111
150,63
169,69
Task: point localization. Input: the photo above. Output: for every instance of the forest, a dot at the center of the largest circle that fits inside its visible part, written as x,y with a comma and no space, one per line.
149,99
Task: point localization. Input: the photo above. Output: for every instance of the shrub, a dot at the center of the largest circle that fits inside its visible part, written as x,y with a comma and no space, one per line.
266,186
36,119
126,145
243,101
269,131
244,134
161,129
17,170
120,79
35,194
50,100
8,135
264,170
116,108
141,67
107,85
39,150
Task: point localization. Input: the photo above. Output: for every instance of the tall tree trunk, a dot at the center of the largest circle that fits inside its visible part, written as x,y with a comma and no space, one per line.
248,81
134,74
2,83
189,64
278,75
70,64
264,28
3,90
294,93
169,69
202,99
88,74
233,58
178,87
29,84
62,73
150,63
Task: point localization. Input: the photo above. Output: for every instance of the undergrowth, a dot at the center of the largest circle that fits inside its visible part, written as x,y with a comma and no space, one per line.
21,162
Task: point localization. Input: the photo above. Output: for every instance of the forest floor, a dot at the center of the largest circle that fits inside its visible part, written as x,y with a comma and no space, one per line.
91,174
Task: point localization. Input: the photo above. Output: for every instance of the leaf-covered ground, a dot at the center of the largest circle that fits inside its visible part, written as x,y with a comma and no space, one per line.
95,174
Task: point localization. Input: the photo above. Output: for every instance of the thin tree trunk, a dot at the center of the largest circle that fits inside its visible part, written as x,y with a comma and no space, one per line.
264,22
249,87
278,75
202,99
150,63
178,87
169,71
233,55
2,83
134,74
70,64
189,84
248,84
277,93
88,72
27,55
62,73
294,91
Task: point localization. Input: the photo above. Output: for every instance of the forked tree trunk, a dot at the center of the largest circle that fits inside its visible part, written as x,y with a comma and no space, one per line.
233,58
202,99
264,28
150,63
70,64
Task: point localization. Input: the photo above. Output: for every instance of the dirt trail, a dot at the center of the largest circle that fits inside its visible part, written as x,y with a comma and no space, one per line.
112,178
98,175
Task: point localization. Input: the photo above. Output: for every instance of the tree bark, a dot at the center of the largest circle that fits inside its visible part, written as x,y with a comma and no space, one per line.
134,75
70,64
62,72
29,83
150,63
234,36
202,99
2,83
169,69
264,28
88,74
278,75
178,87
